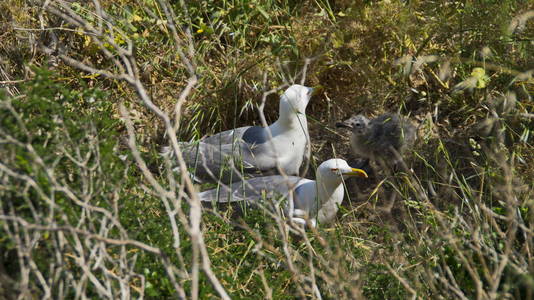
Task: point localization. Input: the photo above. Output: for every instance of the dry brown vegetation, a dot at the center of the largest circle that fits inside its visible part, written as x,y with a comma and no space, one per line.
91,89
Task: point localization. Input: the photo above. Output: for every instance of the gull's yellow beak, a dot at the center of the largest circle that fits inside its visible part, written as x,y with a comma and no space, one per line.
356,172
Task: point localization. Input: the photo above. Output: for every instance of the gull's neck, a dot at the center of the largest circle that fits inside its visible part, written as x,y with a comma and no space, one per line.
289,120
328,190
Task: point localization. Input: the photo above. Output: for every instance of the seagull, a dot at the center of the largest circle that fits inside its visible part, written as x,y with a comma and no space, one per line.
382,139
254,150
314,200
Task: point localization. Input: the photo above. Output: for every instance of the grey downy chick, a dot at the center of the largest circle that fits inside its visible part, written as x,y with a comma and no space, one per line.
383,139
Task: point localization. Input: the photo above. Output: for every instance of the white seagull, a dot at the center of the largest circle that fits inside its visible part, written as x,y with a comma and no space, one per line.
250,151
316,200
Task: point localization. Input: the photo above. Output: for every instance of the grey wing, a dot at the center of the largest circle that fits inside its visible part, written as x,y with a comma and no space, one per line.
251,190
226,137
306,197
256,152
194,154
255,135
212,162
227,162
259,152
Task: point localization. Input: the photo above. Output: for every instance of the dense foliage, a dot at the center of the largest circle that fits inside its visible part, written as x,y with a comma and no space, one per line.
78,212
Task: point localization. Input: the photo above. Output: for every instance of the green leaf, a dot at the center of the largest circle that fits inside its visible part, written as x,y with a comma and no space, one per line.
263,13
481,77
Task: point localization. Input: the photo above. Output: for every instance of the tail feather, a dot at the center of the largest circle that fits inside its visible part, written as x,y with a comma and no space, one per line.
168,152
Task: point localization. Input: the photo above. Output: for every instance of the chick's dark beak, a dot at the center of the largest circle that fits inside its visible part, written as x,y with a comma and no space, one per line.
345,124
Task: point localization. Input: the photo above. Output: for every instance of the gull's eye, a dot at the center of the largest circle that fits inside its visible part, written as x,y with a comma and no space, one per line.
334,170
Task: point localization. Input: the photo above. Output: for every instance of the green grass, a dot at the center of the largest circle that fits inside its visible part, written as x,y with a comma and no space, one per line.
461,223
